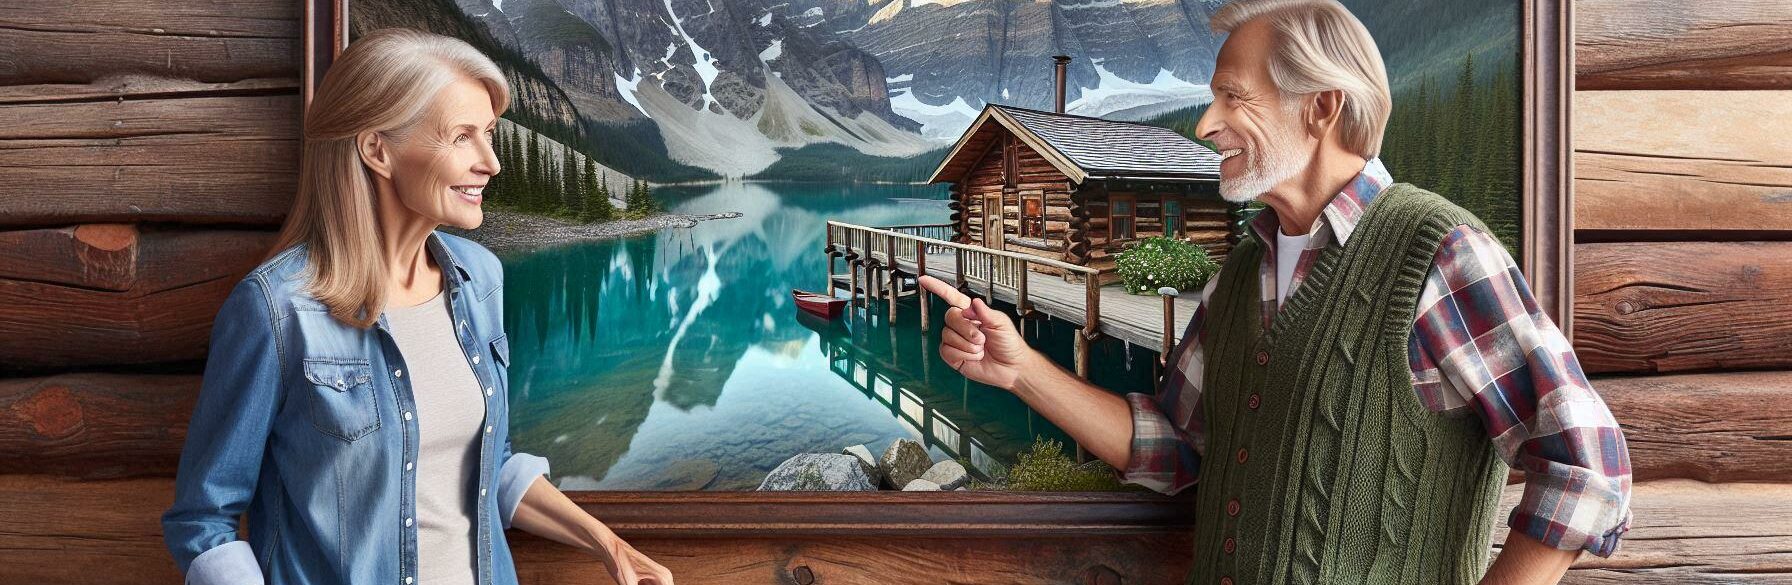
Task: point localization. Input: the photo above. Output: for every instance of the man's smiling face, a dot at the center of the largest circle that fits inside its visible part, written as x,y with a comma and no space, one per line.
1256,128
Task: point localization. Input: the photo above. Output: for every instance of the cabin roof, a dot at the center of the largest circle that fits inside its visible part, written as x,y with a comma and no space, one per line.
1083,148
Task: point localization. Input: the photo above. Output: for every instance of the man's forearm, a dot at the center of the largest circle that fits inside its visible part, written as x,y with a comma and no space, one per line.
1098,419
1524,561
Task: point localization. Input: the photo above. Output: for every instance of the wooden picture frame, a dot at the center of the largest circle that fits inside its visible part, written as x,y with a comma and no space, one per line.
1546,53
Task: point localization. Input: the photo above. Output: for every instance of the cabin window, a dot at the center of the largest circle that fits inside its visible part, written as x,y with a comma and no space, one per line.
1120,225
1032,215
1173,226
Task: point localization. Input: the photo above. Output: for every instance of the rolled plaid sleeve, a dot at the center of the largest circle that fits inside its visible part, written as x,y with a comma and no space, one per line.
1481,342
1167,428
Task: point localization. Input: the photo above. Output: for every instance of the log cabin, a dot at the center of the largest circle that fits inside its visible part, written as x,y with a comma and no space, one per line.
122,229
1081,189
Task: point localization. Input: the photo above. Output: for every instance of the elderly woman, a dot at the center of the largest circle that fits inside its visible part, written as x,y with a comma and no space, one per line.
355,398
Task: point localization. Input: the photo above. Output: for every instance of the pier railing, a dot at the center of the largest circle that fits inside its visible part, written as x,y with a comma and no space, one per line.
880,254
937,231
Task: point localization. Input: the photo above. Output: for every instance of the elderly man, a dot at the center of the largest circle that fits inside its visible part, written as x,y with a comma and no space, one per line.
1364,368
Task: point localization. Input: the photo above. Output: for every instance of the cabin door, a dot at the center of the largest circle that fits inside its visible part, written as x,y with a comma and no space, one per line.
992,222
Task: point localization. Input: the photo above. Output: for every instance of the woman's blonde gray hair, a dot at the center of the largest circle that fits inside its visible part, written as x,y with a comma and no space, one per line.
1321,46
383,83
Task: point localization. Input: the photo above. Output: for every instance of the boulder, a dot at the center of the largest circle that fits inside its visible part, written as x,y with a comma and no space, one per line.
921,485
948,474
904,461
818,472
867,461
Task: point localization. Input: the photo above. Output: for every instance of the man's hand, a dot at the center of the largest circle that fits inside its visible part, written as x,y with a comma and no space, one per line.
1525,561
980,342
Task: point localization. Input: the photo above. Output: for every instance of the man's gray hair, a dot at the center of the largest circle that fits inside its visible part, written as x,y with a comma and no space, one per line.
1321,46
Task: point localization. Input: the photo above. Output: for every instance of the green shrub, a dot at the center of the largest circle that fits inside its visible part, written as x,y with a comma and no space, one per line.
1159,261
1045,468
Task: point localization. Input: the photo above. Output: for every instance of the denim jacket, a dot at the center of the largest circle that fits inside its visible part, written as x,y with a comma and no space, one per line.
307,424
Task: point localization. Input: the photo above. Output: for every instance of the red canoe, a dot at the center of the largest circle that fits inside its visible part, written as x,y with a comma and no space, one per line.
817,303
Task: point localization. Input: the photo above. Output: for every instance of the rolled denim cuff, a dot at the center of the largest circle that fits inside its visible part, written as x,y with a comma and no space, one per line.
519,471
231,563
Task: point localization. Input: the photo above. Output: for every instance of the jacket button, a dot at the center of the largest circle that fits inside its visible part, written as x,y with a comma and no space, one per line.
475,360
1242,455
1253,402
1225,581
1230,545
398,373
1232,507
1262,358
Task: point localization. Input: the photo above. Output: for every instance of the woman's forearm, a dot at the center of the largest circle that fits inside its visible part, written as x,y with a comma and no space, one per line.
547,513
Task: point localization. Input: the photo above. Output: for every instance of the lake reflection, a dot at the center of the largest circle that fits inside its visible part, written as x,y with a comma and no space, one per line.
676,361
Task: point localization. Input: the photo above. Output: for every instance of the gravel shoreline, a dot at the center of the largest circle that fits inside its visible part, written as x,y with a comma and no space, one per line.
510,230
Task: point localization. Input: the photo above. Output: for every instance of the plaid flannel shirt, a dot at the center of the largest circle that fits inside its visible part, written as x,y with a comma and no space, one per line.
1479,341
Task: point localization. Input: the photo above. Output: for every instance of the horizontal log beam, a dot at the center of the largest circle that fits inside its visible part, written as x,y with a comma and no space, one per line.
1691,532
1671,44
1682,306
95,425
116,295
1721,427
1689,165
1684,532
49,42
197,160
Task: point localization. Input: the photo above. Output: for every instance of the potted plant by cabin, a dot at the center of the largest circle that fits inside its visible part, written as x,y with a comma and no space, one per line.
1164,262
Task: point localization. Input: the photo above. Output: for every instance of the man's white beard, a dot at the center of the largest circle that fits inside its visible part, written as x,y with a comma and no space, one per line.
1267,165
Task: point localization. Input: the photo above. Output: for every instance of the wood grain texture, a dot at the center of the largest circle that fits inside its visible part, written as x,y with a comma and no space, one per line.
1690,165
1682,306
50,43
67,301
1721,427
1672,44
95,425
1686,531
1683,532
197,160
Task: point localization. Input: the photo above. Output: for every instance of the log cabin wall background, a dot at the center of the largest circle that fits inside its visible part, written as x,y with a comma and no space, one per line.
150,148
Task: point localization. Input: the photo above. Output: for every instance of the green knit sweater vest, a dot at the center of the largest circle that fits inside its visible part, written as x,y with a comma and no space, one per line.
1321,464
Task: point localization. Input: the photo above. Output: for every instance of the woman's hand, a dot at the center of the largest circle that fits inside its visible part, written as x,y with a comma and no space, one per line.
547,513
629,567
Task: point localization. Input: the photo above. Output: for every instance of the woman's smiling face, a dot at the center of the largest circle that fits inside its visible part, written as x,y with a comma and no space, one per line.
441,169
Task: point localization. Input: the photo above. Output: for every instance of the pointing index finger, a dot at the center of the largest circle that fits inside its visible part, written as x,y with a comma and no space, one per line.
945,291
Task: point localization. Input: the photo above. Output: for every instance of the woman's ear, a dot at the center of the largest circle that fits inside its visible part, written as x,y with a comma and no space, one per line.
375,153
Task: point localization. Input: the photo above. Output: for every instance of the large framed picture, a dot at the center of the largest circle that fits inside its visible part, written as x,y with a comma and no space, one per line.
730,151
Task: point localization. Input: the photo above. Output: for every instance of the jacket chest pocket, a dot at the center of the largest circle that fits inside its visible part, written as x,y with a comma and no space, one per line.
341,396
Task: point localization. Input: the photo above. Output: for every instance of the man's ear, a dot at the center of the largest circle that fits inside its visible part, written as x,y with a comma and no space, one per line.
1325,112
375,153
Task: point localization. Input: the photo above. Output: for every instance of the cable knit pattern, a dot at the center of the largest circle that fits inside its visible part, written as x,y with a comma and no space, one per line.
1321,465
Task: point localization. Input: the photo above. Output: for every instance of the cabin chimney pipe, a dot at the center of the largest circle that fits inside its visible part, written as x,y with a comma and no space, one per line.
1062,64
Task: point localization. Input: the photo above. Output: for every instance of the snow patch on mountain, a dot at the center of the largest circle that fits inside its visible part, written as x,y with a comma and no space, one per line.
943,122
1113,93
705,64
627,87
772,52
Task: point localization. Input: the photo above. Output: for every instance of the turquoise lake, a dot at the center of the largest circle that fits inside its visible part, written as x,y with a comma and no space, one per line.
677,360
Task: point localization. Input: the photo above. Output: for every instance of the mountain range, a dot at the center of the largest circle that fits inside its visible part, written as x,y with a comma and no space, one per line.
686,89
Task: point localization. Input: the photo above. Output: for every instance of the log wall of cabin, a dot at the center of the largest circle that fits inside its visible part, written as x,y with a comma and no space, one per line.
1205,222
1682,271
1032,176
143,178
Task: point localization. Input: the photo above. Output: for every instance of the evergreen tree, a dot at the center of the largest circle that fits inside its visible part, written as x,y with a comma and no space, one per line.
572,185
532,174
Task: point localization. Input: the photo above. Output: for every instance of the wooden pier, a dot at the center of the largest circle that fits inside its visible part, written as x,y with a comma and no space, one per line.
883,262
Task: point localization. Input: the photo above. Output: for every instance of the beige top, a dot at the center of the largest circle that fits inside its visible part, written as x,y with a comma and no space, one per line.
450,413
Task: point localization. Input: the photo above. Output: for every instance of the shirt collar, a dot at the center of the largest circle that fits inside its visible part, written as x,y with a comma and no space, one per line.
1342,212
445,257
